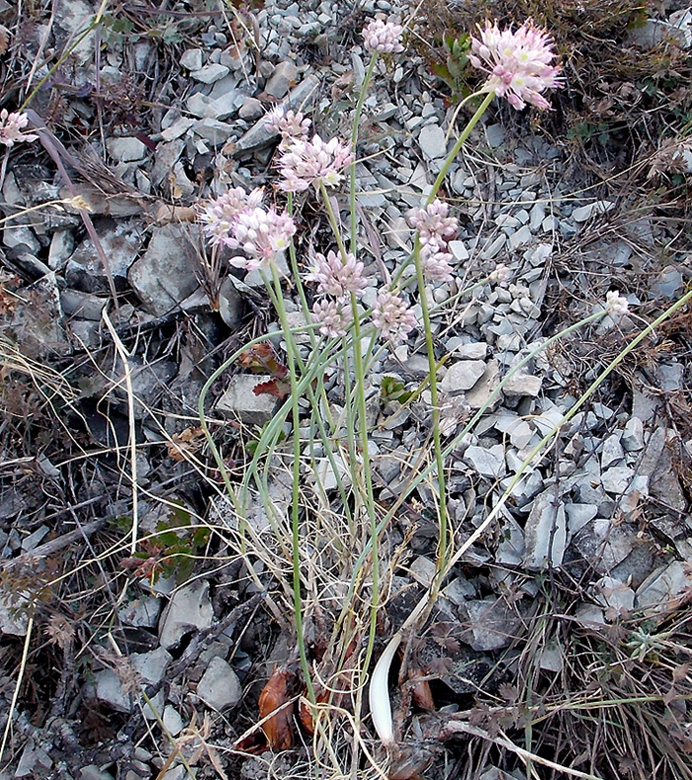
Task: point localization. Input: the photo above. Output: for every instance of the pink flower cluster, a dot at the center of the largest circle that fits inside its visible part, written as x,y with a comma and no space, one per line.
518,63
337,277
383,37
435,228
292,125
239,221
393,316
312,163
12,126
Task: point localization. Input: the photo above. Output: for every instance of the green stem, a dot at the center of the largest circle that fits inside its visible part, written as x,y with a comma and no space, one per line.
295,489
435,424
363,428
457,146
354,143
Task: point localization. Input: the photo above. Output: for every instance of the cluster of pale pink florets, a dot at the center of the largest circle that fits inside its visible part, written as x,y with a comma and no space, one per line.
239,221
435,228
518,63
12,128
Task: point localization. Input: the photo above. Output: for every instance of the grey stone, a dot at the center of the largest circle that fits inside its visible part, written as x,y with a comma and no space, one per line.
251,109
462,376
126,149
241,401
431,140
633,435
523,384
92,772
495,135
668,283
511,549
191,59
34,762
230,303
423,570
121,242
164,276
188,610
494,624
281,79
664,587
520,237
578,515
616,479
545,533
172,720
142,612
589,616
220,687
476,350
488,462
597,208
61,247
147,669
611,452
615,596
492,249
210,73
212,130
603,544
670,376
479,395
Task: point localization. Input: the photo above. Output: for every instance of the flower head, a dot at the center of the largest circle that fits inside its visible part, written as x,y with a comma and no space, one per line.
436,266
220,215
334,317
616,305
517,63
314,162
11,127
336,277
434,225
383,37
292,125
262,234
393,316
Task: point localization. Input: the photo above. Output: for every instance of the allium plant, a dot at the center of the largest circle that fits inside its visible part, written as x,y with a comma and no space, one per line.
12,127
520,68
336,277
518,63
292,125
312,163
393,316
239,221
383,37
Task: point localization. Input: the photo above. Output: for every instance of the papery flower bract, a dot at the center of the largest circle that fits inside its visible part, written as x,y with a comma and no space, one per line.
392,316
436,266
383,37
616,305
334,317
292,125
262,234
219,215
434,225
11,127
518,63
338,278
500,275
313,162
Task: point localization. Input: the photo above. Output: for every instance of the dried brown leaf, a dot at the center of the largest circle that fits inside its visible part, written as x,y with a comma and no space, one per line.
275,698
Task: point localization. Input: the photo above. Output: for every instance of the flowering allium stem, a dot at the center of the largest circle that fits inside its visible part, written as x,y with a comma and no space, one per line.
12,127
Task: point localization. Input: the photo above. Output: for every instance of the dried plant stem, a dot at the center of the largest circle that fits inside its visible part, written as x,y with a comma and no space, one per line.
20,679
